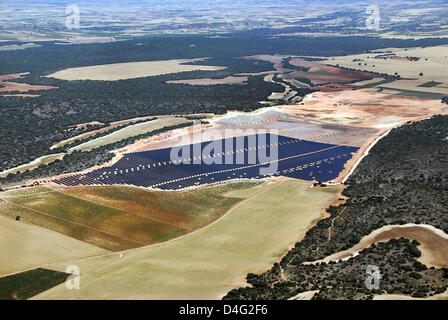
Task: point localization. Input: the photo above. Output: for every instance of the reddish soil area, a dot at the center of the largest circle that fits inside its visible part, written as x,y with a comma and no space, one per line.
8,86
320,73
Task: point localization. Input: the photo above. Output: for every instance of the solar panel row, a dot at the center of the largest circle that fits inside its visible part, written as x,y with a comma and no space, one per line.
227,159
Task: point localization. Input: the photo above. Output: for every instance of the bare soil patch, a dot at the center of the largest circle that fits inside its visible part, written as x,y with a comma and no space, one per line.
433,243
131,70
364,108
320,73
8,86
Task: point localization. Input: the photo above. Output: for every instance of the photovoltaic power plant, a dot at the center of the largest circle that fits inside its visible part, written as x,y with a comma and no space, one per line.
220,160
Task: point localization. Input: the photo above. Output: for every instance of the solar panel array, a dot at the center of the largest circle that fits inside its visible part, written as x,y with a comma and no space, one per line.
296,158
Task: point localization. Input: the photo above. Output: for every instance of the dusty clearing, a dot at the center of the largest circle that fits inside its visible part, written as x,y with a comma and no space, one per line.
129,131
23,46
93,132
442,296
433,243
8,86
208,263
131,70
119,218
320,73
33,164
364,109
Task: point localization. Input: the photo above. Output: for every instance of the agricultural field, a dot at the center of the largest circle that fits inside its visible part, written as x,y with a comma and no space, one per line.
423,70
398,190
131,70
88,134
224,150
33,164
129,131
118,218
24,245
29,283
319,73
207,263
6,85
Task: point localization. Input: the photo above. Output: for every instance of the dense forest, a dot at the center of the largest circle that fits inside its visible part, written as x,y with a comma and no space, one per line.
29,126
52,57
402,180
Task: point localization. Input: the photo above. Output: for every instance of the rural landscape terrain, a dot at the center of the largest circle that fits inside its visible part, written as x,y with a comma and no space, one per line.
224,150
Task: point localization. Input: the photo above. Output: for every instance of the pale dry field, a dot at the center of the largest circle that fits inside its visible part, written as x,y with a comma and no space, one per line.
210,262
322,73
8,86
33,164
93,132
433,64
442,296
433,243
131,70
13,47
24,246
129,131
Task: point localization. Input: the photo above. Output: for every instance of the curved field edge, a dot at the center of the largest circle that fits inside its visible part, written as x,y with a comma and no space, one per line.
207,263
131,70
24,246
119,218
433,243
24,285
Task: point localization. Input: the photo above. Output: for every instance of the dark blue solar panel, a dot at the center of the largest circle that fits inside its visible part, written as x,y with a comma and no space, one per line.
296,158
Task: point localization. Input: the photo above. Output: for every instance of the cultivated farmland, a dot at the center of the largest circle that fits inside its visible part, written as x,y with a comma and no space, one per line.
131,70
207,263
119,218
6,85
33,164
417,67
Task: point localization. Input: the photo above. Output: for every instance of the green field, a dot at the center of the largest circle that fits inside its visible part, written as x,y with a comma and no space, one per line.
27,284
208,263
119,218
